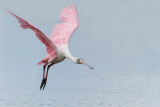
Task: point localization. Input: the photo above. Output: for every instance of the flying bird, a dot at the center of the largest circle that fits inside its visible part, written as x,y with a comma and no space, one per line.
56,44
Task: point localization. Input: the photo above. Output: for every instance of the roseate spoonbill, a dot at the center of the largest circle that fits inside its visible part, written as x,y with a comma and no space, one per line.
57,44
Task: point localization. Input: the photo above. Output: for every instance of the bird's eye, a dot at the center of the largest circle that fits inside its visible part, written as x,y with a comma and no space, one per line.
78,60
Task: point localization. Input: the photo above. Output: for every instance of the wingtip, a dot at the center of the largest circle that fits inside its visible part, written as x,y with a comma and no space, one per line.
9,11
68,5
12,13
72,7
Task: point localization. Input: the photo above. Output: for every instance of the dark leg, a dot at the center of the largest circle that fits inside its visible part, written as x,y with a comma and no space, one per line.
47,74
44,67
48,69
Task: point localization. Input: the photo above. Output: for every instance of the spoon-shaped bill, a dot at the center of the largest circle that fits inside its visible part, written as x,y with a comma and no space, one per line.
88,66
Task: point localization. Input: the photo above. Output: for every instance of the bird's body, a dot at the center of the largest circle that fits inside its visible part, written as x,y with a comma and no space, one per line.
56,44
60,56
62,53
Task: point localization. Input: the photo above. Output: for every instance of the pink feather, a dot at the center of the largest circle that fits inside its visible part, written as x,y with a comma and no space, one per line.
50,47
62,33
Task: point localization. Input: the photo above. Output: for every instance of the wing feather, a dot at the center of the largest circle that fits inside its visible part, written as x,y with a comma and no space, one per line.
51,48
62,32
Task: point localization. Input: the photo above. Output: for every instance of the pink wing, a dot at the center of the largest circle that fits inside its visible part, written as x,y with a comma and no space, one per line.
62,33
51,48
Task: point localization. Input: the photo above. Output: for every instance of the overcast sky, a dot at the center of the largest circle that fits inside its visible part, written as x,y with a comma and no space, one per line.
113,35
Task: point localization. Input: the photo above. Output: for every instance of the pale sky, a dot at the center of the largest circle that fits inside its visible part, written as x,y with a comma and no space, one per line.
113,35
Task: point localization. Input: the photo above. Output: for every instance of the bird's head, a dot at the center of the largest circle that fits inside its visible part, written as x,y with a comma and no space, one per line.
80,61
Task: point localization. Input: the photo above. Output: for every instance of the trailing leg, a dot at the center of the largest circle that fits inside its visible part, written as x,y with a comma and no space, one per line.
43,79
47,74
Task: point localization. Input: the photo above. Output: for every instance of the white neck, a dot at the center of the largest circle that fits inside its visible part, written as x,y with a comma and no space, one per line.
65,50
72,58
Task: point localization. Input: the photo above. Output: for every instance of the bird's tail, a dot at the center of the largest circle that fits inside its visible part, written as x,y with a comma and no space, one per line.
41,62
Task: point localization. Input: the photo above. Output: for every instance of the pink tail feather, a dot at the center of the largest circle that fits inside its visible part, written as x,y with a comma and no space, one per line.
41,62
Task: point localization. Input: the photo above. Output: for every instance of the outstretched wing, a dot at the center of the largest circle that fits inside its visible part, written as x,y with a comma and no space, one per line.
62,33
51,48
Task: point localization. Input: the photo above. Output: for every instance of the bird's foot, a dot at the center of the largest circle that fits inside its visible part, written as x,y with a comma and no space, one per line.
43,83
